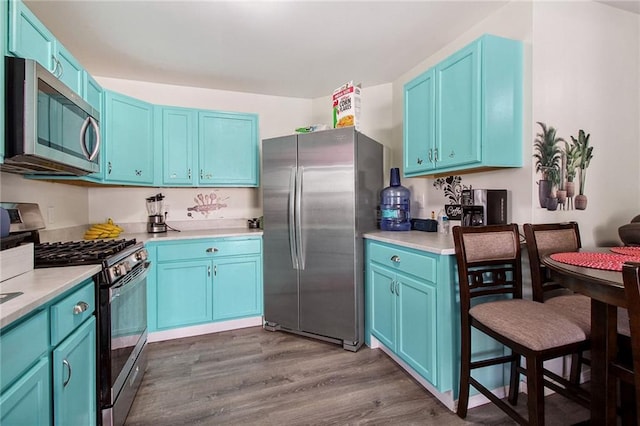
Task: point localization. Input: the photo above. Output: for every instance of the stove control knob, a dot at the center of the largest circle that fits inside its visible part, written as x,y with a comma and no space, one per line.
141,255
116,271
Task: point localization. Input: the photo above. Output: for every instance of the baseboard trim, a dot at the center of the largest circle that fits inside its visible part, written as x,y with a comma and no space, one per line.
197,330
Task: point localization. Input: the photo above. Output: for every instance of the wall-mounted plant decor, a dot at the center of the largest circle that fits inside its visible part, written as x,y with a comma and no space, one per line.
584,154
547,154
452,187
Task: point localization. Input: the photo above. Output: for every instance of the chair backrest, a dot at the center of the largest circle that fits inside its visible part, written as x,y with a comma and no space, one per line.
631,278
543,239
488,260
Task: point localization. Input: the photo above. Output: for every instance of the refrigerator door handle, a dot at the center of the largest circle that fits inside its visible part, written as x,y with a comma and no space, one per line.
298,215
291,220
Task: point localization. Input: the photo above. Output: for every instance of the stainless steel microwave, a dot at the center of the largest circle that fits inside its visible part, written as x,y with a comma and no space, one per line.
49,128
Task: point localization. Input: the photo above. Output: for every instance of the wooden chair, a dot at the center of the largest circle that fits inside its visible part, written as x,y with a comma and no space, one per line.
544,239
624,367
489,268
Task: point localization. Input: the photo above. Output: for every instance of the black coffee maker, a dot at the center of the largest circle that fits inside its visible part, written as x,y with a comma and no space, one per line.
484,207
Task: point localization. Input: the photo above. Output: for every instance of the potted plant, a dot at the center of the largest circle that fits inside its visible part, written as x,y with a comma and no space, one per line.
584,156
572,154
547,154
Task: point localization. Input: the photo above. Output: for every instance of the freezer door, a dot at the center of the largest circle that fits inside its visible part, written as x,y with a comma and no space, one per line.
327,217
279,156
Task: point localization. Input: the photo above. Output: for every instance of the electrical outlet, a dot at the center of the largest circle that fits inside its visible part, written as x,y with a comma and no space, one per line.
51,214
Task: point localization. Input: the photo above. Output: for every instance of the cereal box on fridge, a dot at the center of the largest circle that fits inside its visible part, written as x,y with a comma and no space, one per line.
346,106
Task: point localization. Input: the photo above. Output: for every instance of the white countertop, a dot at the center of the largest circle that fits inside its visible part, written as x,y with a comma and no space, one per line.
433,242
39,287
186,235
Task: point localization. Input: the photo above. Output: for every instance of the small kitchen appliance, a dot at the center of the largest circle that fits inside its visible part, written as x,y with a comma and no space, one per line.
155,208
484,207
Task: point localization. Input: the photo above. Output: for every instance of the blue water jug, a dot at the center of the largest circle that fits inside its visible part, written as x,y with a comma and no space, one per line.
395,205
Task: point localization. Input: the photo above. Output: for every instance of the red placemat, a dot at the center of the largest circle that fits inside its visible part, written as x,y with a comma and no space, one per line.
608,261
629,251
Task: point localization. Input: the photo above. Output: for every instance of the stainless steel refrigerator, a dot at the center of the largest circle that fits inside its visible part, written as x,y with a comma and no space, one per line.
320,192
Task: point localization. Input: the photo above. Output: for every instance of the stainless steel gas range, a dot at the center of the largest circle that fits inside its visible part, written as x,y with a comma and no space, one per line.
121,298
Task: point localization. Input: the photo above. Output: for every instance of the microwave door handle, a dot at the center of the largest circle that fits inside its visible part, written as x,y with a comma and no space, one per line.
96,129
83,138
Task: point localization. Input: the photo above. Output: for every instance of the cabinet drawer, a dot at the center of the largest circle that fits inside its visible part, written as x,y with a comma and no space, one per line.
71,311
207,249
22,346
408,261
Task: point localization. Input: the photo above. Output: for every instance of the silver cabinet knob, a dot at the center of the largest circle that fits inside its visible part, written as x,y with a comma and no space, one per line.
395,258
80,307
212,250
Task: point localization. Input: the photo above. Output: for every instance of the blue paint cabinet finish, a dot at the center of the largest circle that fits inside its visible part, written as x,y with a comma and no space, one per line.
412,308
402,304
48,364
465,113
178,130
128,140
205,280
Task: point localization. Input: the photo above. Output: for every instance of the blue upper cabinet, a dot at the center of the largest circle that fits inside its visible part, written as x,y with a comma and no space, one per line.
178,130
471,115
227,149
92,92
69,70
29,38
419,123
128,140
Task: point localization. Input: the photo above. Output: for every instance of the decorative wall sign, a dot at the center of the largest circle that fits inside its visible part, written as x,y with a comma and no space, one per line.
452,187
207,203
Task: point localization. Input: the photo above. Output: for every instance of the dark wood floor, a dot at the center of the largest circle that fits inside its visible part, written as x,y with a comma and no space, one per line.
252,376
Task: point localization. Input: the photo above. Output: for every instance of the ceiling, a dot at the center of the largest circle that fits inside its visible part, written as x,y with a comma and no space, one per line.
285,48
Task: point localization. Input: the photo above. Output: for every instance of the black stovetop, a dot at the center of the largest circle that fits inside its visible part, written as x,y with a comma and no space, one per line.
77,252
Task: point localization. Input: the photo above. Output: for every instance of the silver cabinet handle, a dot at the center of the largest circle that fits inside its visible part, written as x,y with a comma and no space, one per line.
201,174
61,68
66,363
215,270
435,155
397,288
431,155
391,286
208,271
80,308
395,258
109,167
212,250
189,174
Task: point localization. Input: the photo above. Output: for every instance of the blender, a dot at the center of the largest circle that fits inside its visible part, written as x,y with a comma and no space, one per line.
155,209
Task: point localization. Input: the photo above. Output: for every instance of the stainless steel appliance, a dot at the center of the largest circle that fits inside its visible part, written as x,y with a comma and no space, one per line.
121,298
155,210
320,193
484,207
49,128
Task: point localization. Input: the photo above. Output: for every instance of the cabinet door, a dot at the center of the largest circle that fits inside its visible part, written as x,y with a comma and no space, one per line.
179,136
74,377
92,92
383,308
237,289
419,123
3,43
128,141
28,37
458,108
228,149
27,402
69,71
417,326
183,294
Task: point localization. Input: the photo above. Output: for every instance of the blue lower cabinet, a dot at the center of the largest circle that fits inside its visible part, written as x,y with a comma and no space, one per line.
74,378
28,401
204,280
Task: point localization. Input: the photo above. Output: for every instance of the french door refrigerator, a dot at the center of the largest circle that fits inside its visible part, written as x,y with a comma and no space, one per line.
320,192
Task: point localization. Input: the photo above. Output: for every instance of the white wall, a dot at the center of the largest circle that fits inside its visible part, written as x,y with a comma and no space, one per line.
586,76
61,205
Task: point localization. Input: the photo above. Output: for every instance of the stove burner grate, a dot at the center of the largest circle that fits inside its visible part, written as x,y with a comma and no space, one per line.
77,252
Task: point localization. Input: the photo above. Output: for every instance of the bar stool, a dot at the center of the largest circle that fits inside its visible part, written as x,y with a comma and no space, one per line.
490,278
543,239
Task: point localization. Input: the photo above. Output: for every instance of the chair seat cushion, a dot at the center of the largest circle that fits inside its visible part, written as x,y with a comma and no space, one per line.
578,308
530,324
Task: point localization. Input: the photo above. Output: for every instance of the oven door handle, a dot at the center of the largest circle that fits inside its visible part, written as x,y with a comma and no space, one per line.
140,275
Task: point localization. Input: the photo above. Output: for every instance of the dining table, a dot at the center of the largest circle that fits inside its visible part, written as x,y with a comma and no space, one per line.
605,287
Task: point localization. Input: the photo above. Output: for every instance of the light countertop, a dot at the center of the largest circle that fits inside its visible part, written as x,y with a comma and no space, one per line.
192,234
433,242
40,286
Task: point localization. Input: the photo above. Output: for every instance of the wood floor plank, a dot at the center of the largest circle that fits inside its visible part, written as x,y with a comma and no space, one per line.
256,377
